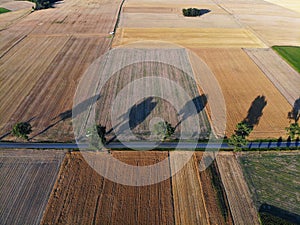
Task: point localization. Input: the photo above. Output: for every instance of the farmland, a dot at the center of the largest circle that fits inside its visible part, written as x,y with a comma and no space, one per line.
273,179
154,68
79,185
26,181
244,85
283,76
190,37
241,205
56,58
291,54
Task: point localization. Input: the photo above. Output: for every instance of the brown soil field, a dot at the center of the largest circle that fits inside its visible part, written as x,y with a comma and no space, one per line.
26,181
280,73
214,193
241,205
289,4
52,67
164,7
130,66
17,5
177,200
246,88
41,63
190,37
175,20
7,19
273,24
80,187
189,202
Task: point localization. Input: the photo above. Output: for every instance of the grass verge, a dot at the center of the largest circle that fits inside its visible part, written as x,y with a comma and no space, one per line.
3,10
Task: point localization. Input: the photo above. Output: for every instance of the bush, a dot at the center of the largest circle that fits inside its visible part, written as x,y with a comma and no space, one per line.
164,130
191,12
22,130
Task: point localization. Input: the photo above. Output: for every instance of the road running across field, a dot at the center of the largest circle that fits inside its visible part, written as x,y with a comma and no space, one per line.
147,145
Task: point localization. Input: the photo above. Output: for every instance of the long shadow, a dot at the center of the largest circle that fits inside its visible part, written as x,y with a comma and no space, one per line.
294,114
138,113
204,11
255,111
78,109
276,212
198,102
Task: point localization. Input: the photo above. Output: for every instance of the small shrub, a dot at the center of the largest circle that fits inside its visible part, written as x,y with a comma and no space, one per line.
22,130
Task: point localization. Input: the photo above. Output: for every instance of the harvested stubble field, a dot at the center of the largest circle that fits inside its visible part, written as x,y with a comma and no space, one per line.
273,178
280,73
248,93
26,181
176,200
242,208
39,72
41,86
125,67
289,4
190,37
273,24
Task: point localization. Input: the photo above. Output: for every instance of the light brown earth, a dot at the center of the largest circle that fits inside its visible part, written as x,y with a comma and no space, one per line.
158,83
280,73
213,191
26,181
176,200
241,205
80,187
42,58
241,82
190,37
17,5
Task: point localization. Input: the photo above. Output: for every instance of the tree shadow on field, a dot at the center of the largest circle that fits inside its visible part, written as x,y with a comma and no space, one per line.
204,11
78,109
136,115
255,111
272,213
294,114
198,102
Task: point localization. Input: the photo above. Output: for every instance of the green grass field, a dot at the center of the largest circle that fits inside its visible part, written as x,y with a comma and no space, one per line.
291,54
3,10
273,178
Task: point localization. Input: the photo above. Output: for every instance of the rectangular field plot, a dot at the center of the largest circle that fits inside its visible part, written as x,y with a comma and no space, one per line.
280,73
150,86
247,92
213,190
273,179
242,208
40,87
82,195
26,181
190,37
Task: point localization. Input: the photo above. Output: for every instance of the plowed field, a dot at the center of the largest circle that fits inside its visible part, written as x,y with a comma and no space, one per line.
26,180
241,205
248,93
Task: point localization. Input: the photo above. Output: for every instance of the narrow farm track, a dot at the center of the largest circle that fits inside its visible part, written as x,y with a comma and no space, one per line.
26,181
241,205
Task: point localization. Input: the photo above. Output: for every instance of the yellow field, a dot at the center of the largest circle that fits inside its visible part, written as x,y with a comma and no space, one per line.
289,4
190,37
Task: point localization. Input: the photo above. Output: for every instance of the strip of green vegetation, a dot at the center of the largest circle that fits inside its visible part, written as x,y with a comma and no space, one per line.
291,54
273,179
3,10
268,219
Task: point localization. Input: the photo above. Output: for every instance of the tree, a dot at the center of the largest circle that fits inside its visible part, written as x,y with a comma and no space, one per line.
22,130
164,130
238,139
293,130
96,135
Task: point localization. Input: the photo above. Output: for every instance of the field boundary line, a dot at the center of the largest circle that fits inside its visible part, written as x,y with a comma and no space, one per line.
200,185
